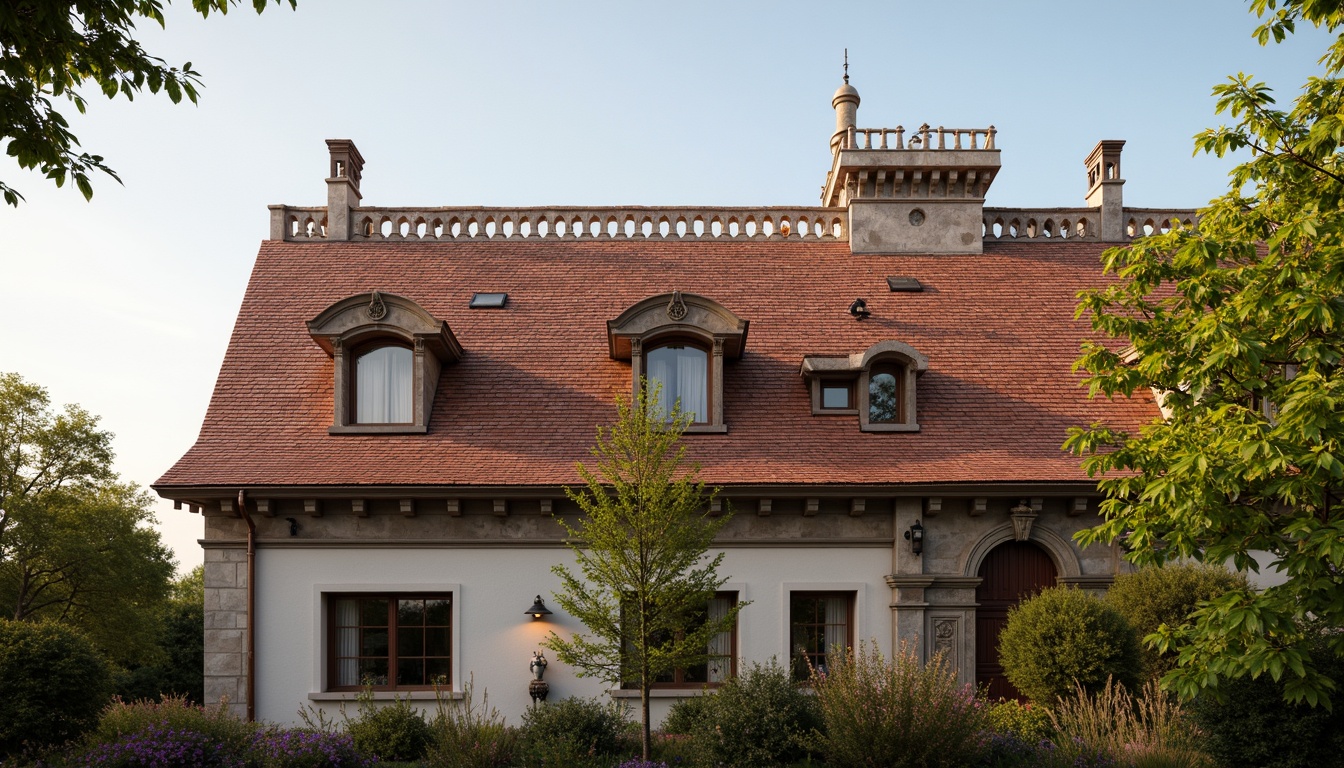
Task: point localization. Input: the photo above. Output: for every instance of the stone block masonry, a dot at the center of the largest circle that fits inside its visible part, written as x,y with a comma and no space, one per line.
226,627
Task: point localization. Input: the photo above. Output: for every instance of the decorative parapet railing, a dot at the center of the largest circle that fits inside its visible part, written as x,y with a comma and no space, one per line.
922,137
546,223
1077,223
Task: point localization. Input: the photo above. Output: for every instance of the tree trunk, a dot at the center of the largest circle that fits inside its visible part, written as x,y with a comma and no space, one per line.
644,717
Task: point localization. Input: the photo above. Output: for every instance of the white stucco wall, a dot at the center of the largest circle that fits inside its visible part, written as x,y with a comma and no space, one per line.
494,639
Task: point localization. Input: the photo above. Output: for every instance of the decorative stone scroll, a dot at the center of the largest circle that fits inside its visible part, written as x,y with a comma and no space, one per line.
1023,516
945,641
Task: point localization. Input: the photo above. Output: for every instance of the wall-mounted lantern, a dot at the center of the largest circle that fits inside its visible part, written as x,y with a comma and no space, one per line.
916,538
538,610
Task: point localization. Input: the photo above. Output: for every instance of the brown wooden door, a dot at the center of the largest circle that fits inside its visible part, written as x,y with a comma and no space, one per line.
1010,573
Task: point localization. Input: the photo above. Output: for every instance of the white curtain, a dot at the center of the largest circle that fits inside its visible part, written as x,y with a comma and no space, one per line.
681,374
383,386
347,642
721,644
837,623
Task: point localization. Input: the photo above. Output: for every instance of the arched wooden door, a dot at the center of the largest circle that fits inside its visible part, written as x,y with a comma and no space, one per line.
1011,572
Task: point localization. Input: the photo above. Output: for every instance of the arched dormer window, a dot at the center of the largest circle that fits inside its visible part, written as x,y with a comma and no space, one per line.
387,352
877,384
680,341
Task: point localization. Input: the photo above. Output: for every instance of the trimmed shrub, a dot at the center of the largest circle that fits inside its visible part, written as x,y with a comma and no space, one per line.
686,714
1168,595
1065,637
397,731
54,684
1029,723
570,729
759,718
1253,725
898,714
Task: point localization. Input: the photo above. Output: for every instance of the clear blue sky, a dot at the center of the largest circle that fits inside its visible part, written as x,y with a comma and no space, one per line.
125,305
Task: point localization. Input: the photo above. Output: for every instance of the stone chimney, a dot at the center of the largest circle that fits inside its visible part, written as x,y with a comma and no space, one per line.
342,187
1105,188
919,194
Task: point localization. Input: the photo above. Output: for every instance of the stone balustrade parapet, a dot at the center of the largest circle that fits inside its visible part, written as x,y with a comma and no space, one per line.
568,223
1009,224
922,138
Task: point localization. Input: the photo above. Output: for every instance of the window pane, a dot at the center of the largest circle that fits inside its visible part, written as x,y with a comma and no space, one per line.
374,643
373,672
373,613
411,672
438,613
883,398
835,396
383,386
410,641
410,613
438,672
680,374
437,642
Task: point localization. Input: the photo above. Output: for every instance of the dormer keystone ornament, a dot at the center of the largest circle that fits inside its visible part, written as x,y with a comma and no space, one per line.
377,309
676,308
1023,516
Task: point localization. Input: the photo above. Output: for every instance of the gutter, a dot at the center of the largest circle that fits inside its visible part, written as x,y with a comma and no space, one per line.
251,606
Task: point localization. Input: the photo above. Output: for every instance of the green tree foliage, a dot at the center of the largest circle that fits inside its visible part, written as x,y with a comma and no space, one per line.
49,49
75,545
179,670
1064,638
644,579
1153,597
54,684
1240,324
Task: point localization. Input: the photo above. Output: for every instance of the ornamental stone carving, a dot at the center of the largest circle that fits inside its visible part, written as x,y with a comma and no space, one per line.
676,308
377,309
1023,517
945,641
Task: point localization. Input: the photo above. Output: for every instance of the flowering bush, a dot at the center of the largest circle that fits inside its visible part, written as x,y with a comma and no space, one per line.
161,747
638,763
173,713
898,713
306,749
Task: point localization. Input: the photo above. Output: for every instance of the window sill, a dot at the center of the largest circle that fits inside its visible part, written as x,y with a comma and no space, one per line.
386,695
888,427
835,411
379,429
660,693
706,429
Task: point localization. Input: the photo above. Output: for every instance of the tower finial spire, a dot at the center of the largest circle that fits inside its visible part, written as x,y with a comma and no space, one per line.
846,66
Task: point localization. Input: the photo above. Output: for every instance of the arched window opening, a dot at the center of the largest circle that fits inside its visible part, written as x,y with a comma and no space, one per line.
678,378
885,394
384,385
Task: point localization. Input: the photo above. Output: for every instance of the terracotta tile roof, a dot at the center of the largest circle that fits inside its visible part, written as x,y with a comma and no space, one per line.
521,407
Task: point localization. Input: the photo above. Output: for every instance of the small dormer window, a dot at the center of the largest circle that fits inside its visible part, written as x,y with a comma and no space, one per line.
680,342
878,385
387,353
384,385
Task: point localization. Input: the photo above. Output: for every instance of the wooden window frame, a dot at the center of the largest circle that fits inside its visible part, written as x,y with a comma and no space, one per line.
353,382
331,626
711,395
819,385
848,596
678,675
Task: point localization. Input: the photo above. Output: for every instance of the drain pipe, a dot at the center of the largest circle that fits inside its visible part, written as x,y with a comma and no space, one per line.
251,607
